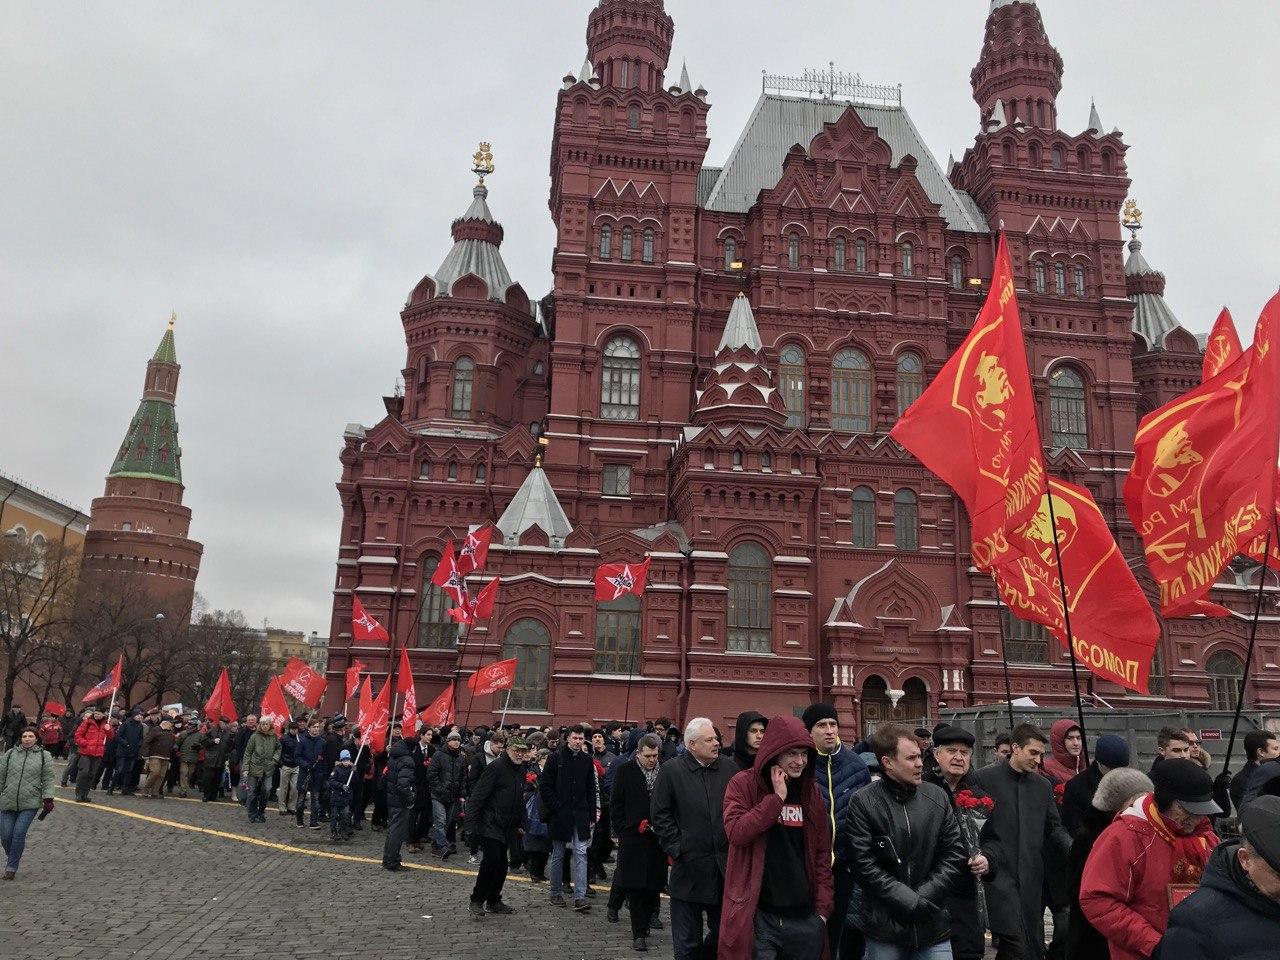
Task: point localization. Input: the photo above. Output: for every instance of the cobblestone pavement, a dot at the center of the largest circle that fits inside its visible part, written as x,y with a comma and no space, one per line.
102,881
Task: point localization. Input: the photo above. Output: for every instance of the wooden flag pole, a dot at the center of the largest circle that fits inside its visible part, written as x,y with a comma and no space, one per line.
1004,654
1066,618
1248,659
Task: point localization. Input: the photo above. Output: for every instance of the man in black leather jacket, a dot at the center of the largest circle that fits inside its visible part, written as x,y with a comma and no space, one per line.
907,852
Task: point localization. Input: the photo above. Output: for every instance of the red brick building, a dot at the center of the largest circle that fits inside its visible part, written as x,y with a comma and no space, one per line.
715,373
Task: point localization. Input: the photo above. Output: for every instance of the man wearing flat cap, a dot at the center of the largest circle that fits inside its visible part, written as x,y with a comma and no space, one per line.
1150,854
1236,910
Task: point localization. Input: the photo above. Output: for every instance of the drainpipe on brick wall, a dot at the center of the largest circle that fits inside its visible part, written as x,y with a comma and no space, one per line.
686,638
817,578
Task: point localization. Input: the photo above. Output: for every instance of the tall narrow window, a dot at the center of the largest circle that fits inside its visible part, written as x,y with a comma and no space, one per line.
1056,158
1080,287
436,629
633,118
464,371
1068,422
791,379
730,252
908,259
1024,642
750,586
628,240
957,273
910,380
620,380
1059,279
864,518
793,251
860,255
906,521
618,635
646,251
1226,674
1033,154
606,242
851,392
452,472
481,473
840,253
1037,273
529,644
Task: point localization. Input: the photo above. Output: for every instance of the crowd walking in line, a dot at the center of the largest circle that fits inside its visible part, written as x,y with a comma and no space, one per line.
784,844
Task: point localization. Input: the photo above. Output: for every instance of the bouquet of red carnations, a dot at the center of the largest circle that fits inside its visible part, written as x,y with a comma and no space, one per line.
973,811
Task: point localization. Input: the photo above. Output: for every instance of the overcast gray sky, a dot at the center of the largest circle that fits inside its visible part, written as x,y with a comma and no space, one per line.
282,174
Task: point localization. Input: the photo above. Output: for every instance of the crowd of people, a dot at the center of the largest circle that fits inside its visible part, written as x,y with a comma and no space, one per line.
787,844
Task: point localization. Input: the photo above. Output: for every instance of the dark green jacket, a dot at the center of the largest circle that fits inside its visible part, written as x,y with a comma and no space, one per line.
261,754
26,778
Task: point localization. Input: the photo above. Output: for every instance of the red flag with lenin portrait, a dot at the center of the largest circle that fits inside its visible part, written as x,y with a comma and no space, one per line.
494,677
440,711
374,717
406,688
274,706
365,629
1203,483
1114,629
302,683
614,580
975,426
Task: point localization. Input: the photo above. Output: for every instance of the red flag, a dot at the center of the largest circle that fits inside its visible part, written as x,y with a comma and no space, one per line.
475,550
302,683
1202,486
449,578
54,708
1222,348
494,677
481,608
366,700
440,712
614,580
107,685
353,678
374,717
220,706
406,688
365,629
976,424
1114,630
274,707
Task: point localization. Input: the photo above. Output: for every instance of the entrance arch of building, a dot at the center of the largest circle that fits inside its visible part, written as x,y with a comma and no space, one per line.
882,704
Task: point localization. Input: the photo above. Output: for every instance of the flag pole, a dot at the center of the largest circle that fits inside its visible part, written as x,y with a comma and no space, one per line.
1248,659
359,753
504,708
1066,618
1004,654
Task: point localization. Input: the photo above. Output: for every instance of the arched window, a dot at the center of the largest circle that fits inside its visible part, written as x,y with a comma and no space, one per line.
1080,286
1033,152
766,461
481,473
1008,152
840,253
1037,273
633,118
750,584
793,251
957,273
620,380
851,392
1060,279
628,242
606,242
464,371
1084,160
906,521
730,252
792,382
646,251
1056,158
530,645
737,459
1226,674
618,635
1108,163
910,380
860,255
908,259
452,472
1024,642
864,518
435,628
1068,423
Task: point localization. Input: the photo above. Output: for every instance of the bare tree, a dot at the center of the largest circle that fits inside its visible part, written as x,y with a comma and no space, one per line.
116,616
223,638
37,592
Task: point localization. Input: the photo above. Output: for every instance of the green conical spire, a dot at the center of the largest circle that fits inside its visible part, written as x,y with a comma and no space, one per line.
166,352
150,450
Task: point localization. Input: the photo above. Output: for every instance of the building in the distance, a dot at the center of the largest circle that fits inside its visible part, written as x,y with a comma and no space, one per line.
30,515
139,528
717,369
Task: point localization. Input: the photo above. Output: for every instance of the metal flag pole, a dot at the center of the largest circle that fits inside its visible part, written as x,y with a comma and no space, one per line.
1004,654
1066,618
359,753
503,721
1248,659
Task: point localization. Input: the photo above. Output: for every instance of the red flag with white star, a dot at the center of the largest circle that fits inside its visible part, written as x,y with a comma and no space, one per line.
475,550
614,580
449,578
365,629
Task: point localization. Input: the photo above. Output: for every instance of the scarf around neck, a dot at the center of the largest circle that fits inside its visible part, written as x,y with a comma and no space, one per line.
650,776
1190,853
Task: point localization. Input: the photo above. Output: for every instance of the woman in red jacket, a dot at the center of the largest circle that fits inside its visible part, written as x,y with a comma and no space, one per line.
91,740
778,880
1162,841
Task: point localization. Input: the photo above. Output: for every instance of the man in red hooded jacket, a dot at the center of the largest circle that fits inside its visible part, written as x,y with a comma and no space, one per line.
777,885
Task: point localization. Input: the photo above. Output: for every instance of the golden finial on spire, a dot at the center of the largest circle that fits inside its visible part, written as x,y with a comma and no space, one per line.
173,318
543,443
1131,217
482,162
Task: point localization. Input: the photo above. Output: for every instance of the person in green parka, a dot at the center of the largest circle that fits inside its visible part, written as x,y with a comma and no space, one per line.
26,787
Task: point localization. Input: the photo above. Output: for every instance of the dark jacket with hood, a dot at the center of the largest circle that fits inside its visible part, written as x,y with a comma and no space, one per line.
907,856
1264,781
1084,942
402,775
447,774
570,794
688,802
1060,766
1226,917
751,811
739,753
1077,796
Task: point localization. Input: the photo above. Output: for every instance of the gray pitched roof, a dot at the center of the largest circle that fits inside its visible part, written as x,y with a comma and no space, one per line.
779,122
476,256
535,503
740,329
1153,320
1095,121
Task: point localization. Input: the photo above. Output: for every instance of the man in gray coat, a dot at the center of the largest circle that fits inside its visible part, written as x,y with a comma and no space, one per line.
688,817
